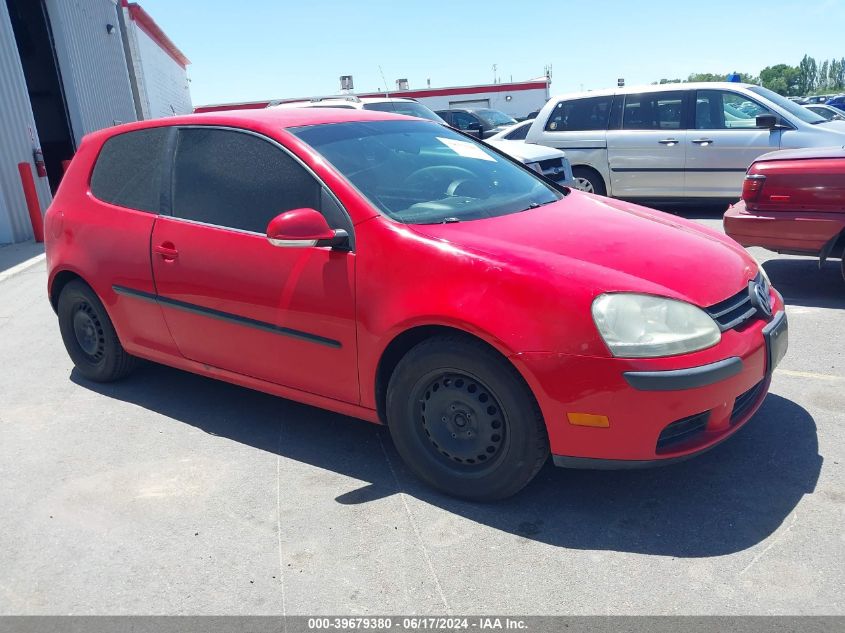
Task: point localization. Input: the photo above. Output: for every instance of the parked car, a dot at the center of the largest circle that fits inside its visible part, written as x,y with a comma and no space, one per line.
548,161
827,112
396,105
394,270
481,122
837,102
676,142
516,132
793,201
816,99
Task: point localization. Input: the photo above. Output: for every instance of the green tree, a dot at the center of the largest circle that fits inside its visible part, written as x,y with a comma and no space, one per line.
807,71
782,78
824,76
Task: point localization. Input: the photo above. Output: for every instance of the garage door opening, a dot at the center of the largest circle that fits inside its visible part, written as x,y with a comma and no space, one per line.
34,40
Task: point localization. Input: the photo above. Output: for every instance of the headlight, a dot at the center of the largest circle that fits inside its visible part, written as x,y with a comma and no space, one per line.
644,326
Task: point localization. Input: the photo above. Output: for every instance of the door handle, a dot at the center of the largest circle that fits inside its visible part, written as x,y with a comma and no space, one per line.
703,141
668,141
167,251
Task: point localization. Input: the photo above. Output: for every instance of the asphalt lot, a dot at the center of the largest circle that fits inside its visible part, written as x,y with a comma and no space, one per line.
169,493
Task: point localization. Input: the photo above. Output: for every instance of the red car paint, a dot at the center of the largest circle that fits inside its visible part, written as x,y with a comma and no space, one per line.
799,202
523,283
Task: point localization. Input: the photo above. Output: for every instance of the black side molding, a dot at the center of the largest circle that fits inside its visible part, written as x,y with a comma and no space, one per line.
680,379
227,316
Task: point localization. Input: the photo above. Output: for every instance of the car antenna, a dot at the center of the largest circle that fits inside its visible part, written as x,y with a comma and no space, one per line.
386,95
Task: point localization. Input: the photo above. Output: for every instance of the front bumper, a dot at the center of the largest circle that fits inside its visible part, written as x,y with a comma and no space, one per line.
659,410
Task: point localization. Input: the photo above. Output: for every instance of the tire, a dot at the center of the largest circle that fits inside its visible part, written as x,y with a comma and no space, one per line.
89,335
464,421
589,180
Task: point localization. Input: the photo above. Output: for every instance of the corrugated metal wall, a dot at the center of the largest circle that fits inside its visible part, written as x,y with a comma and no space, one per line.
91,63
18,136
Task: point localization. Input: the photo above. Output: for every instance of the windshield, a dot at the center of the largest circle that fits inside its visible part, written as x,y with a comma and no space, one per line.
495,118
793,108
421,173
409,108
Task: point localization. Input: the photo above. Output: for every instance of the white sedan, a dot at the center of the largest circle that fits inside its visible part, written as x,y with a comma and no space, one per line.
550,162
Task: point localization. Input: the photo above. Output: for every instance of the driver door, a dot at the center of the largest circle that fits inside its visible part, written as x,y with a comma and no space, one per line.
230,298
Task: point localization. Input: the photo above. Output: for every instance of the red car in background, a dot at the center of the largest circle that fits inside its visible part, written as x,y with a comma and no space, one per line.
793,201
395,270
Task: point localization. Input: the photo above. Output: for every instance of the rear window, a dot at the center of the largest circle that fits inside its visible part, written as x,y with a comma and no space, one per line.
128,169
580,115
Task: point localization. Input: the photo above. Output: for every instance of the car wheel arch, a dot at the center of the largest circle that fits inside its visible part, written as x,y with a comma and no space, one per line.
407,339
61,279
582,167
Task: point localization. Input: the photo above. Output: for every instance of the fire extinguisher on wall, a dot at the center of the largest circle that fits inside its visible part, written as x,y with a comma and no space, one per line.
38,158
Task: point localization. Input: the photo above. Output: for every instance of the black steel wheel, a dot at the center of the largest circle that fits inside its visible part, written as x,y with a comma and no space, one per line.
461,419
89,336
464,420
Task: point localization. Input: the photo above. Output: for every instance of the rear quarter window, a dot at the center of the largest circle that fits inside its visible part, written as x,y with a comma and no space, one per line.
128,170
578,115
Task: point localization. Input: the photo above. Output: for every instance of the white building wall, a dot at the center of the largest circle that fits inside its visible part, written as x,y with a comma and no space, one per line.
162,82
18,137
91,63
520,104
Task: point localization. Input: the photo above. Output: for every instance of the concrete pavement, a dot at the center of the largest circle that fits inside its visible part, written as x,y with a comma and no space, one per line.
168,493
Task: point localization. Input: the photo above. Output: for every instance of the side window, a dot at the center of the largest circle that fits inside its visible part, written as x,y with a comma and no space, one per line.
462,120
580,115
237,180
721,110
128,169
519,133
653,111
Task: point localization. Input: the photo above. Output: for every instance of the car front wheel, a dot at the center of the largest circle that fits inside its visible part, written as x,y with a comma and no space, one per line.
89,336
464,421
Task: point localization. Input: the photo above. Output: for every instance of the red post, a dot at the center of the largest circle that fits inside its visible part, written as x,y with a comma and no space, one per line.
31,196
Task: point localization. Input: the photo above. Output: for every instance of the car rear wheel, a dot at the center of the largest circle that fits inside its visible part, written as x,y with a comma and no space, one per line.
464,421
89,336
589,180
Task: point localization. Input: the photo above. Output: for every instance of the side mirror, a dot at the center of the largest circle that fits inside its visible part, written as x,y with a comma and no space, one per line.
304,227
767,121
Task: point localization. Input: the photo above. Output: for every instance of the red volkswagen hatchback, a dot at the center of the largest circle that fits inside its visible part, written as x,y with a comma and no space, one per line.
392,269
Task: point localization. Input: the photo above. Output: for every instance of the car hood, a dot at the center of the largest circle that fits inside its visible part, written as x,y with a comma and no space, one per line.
526,152
600,245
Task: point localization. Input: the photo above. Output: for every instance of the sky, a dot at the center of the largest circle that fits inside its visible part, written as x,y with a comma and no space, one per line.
270,49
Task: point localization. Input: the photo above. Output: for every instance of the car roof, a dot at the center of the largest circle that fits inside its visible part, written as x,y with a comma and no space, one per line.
606,92
264,118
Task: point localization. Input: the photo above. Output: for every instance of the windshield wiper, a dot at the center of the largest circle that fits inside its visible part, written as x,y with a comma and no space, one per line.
537,205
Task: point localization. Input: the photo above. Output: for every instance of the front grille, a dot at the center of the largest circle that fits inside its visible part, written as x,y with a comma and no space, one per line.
745,402
682,430
733,311
550,164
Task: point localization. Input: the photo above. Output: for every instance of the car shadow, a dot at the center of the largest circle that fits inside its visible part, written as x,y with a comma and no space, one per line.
724,501
802,283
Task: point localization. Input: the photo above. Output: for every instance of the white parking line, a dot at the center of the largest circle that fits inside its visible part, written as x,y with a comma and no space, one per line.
809,374
14,270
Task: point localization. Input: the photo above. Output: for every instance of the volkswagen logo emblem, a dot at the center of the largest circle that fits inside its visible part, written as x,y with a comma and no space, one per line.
759,291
